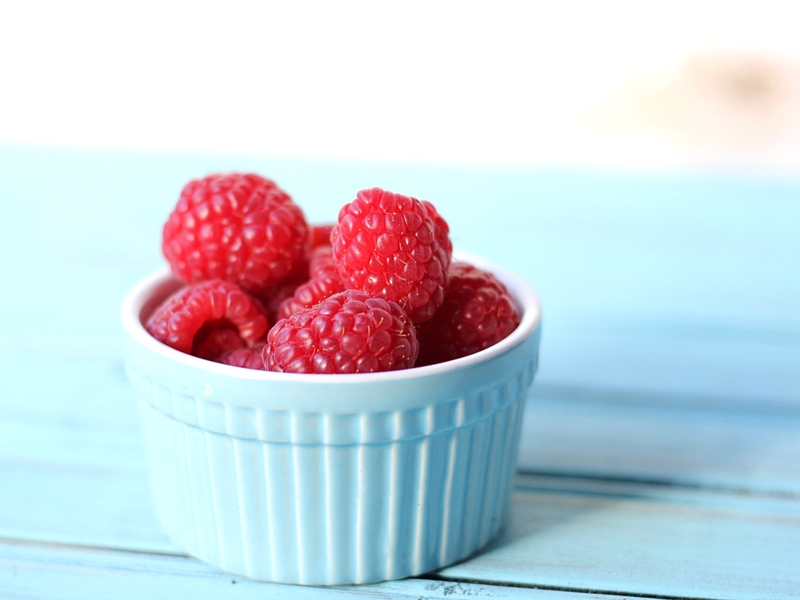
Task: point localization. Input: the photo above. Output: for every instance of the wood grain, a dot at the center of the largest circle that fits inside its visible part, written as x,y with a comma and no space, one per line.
689,441
637,541
64,572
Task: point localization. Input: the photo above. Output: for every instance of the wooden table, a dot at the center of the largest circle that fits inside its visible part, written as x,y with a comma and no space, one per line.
661,444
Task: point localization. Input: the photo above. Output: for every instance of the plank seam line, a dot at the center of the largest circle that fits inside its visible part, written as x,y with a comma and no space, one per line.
427,577
26,542
557,588
647,481
652,399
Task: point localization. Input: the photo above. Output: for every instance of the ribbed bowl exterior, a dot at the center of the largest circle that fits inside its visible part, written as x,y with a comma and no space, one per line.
328,481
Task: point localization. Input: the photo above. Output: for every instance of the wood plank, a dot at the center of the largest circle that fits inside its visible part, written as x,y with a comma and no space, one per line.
678,440
634,540
730,368
79,504
64,572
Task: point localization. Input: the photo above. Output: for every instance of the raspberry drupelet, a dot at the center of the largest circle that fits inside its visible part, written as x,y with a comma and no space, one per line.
477,312
393,247
238,227
350,332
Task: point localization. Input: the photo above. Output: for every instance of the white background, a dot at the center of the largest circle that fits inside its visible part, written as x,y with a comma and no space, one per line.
645,85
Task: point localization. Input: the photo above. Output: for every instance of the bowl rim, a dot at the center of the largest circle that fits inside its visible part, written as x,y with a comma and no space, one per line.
137,299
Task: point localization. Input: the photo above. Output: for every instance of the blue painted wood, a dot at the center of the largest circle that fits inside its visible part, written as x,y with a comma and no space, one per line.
689,441
634,541
63,572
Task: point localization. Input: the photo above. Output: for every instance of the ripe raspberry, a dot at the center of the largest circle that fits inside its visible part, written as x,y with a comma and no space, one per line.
320,235
346,333
390,246
477,313
238,227
202,318
311,293
211,341
325,281
322,263
443,231
247,358
273,297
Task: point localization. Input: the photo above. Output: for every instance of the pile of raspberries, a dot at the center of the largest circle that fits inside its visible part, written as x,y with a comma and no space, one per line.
377,291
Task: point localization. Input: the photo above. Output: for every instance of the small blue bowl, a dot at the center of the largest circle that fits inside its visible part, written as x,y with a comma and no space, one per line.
330,479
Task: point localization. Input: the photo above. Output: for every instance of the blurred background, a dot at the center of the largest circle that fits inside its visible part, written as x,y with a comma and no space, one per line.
617,84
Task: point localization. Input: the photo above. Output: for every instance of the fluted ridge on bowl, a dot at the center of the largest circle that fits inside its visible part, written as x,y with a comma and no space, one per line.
341,514
309,427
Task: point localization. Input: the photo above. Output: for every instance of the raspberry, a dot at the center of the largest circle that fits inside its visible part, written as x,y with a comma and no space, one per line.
443,231
247,358
273,297
322,263
310,293
477,313
390,246
212,341
238,227
206,318
349,332
325,281
320,235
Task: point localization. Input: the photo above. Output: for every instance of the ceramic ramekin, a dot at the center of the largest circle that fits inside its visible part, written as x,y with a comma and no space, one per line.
330,479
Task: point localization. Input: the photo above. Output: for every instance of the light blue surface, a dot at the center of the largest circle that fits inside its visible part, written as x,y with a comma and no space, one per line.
663,428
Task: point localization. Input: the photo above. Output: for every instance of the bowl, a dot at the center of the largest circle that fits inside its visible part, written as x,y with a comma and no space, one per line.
330,479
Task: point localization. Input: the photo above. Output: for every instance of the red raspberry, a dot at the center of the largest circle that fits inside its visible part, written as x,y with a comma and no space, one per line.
322,263
239,227
320,235
211,341
275,296
477,313
443,230
206,317
325,281
346,333
247,358
311,293
390,246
